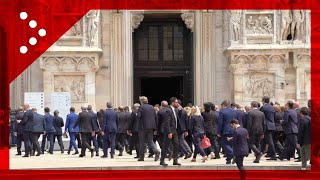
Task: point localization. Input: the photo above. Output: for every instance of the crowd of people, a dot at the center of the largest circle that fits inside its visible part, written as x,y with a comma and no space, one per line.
267,129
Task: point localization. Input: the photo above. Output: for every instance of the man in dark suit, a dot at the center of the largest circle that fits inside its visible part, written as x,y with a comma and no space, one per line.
86,130
123,126
256,128
96,126
27,123
110,127
224,129
58,124
134,129
147,124
290,128
182,116
270,114
171,128
39,127
304,136
240,145
241,114
71,120
19,130
50,131
296,106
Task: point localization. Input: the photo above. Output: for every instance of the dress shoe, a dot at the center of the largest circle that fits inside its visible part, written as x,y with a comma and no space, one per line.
136,157
129,152
194,160
38,154
228,162
19,154
75,153
157,156
176,163
267,156
181,155
170,156
216,157
140,159
120,154
104,156
50,152
81,155
62,151
186,156
258,157
298,160
92,153
97,153
150,155
233,160
272,159
26,155
162,163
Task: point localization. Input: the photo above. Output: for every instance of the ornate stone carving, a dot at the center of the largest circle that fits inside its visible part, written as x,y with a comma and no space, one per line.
75,30
259,85
136,19
188,19
75,84
92,25
303,60
235,21
259,24
69,63
298,17
286,19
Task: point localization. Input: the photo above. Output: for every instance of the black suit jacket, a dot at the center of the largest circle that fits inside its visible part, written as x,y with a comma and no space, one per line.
161,119
85,122
123,122
304,134
208,121
27,121
19,127
270,114
169,122
58,124
256,122
240,142
147,117
182,117
95,124
39,124
290,122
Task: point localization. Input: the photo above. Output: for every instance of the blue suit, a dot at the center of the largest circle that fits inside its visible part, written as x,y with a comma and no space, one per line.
48,118
240,146
270,114
110,127
225,129
71,120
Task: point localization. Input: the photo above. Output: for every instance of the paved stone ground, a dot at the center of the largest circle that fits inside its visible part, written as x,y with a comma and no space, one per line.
65,161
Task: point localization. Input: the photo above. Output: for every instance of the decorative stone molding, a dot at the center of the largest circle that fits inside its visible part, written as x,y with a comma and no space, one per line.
66,63
136,19
188,19
75,84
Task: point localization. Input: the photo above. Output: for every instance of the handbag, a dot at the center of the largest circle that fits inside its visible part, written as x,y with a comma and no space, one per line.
205,142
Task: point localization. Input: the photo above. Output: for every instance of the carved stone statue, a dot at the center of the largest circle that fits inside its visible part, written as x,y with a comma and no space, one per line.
258,87
75,30
235,20
92,25
285,23
250,23
297,24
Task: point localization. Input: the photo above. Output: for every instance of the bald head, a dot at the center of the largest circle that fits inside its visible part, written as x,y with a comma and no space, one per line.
26,106
296,105
164,103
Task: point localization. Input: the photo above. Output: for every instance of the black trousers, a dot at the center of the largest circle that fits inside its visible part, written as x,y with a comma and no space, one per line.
78,139
166,145
239,162
289,147
269,140
214,143
135,139
84,142
121,141
19,142
254,143
59,138
35,142
27,136
146,136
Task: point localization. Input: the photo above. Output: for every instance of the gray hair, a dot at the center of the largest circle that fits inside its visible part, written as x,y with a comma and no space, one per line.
164,103
109,105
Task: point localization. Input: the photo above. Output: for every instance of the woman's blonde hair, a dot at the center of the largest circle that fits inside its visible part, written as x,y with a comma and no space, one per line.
197,113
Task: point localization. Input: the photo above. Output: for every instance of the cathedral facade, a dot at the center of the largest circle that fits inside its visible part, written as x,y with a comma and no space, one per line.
196,55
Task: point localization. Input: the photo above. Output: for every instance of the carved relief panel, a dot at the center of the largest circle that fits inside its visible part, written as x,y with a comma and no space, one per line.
257,85
75,84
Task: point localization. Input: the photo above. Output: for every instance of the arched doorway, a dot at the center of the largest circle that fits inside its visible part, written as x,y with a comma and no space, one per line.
162,48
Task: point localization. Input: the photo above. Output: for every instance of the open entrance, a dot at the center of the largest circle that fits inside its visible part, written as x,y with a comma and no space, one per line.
161,88
162,47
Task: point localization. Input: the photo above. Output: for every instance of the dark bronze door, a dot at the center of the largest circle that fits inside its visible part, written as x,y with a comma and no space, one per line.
163,56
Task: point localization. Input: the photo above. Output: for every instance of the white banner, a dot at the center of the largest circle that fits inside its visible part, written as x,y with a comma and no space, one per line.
35,100
61,101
